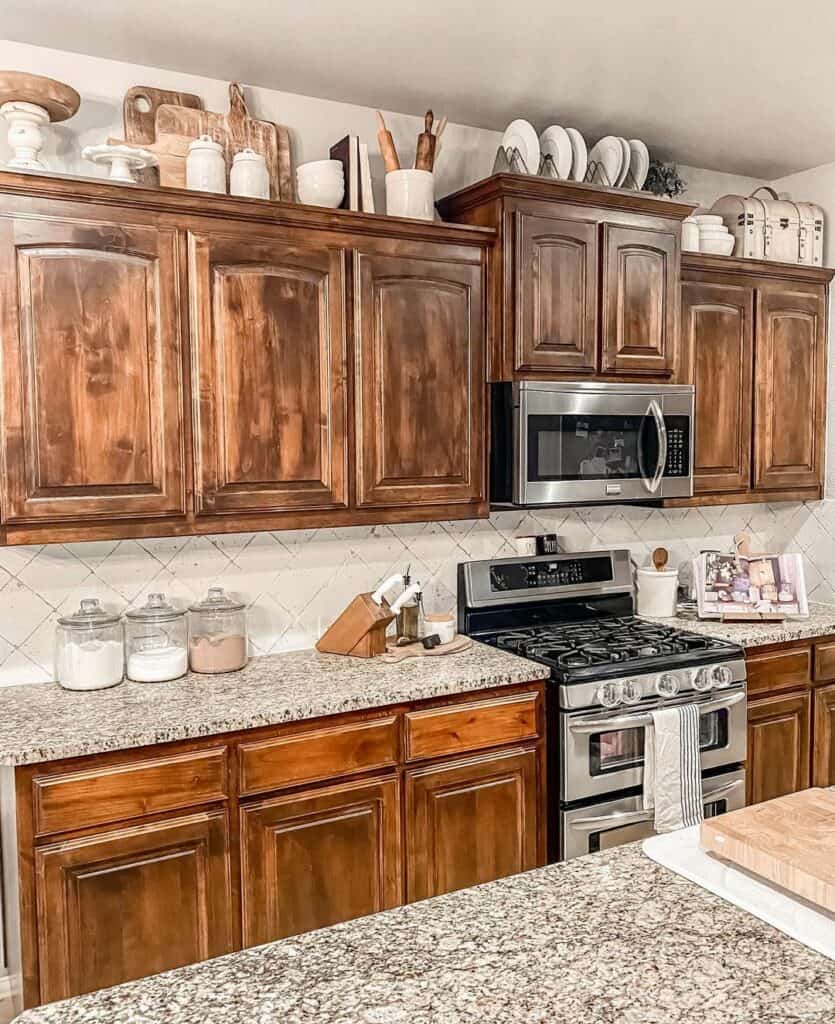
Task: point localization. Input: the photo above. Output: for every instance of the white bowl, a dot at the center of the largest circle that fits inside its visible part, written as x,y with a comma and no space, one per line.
718,246
711,231
320,168
708,218
321,193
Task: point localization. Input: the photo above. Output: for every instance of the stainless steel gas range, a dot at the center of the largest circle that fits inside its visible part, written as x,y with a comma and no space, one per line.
609,669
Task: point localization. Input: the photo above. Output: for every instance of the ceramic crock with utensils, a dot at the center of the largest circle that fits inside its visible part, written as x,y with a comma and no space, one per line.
657,587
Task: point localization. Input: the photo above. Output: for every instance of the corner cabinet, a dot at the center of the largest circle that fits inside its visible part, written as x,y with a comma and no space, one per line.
177,364
586,281
754,345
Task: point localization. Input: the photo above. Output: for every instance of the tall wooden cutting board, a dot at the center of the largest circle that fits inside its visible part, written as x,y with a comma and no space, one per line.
139,111
789,842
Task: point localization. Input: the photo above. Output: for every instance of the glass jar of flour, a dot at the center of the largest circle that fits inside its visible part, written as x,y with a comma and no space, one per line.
156,641
90,648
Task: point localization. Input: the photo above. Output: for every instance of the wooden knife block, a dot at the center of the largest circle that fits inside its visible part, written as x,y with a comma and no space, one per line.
360,631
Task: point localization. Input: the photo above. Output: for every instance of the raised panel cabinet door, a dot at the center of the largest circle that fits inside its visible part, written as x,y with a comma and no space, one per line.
313,859
790,386
778,746
420,393
269,365
718,351
640,300
92,371
470,821
124,904
823,754
556,294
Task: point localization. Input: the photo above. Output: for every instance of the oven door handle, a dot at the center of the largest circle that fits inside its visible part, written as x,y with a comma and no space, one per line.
619,818
587,725
654,410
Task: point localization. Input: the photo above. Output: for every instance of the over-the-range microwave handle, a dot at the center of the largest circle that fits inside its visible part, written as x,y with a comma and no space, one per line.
618,818
654,410
584,725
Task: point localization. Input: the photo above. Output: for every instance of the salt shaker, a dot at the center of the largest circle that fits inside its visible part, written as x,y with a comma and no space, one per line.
249,175
206,166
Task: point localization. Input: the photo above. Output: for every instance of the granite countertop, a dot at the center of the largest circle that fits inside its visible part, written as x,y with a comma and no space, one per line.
821,622
46,723
611,938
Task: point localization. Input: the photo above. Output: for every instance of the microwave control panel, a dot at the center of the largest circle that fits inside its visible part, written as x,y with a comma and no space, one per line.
678,446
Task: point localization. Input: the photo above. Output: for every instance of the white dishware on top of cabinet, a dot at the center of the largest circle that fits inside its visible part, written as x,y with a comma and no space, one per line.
555,143
321,183
520,135
606,157
690,235
639,162
206,166
122,160
579,155
249,175
627,159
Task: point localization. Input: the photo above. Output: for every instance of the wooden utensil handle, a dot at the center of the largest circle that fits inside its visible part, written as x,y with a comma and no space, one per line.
425,158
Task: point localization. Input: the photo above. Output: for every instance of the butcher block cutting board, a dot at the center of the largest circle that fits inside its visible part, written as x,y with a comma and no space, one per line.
789,842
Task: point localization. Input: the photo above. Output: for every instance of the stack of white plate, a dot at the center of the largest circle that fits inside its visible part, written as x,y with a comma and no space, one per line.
714,237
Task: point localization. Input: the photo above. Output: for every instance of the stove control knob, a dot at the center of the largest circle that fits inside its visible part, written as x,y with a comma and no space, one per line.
667,685
703,679
632,691
610,695
722,676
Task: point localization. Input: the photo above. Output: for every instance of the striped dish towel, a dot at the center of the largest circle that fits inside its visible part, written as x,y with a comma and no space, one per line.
673,768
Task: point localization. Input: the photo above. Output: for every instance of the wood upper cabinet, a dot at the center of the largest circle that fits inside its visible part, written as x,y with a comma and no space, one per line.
555,281
717,340
778,746
471,821
789,402
420,377
640,300
131,902
312,859
824,731
92,370
269,355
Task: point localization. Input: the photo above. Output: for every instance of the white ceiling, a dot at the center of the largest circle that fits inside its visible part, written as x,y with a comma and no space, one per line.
733,85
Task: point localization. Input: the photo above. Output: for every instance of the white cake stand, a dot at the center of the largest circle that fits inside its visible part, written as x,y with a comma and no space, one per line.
123,160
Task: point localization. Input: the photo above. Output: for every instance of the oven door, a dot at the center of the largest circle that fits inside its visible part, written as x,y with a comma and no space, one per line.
624,820
598,442
603,752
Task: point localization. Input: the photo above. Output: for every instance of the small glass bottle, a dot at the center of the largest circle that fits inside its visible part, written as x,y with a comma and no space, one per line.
217,634
90,648
156,641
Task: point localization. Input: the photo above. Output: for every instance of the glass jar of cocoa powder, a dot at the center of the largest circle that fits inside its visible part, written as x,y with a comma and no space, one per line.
217,634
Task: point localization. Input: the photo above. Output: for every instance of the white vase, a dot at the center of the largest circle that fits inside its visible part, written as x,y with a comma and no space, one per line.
410,193
206,166
249,175
25,136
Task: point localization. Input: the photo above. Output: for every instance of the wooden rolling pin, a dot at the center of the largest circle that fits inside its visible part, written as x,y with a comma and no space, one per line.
425,156
386,144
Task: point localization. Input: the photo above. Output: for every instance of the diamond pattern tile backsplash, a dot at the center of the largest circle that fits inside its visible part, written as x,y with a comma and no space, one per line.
297,582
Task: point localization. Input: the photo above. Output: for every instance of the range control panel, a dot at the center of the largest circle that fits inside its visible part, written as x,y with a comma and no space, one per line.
557,573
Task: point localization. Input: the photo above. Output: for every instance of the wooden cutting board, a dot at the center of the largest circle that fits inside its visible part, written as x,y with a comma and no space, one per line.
139,111
417,650
789,842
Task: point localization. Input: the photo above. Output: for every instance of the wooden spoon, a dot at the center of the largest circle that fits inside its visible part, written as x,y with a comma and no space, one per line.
660,557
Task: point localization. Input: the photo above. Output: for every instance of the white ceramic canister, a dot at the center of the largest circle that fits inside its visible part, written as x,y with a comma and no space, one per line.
249,175
206,166
657,592
410,193
690,234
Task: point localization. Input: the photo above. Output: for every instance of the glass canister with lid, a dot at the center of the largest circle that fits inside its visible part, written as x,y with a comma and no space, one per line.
90,648
217,633
156,641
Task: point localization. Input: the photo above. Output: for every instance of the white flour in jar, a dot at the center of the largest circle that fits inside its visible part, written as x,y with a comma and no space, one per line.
91,664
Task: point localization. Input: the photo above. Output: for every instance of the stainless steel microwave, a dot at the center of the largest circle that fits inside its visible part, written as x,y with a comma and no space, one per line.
557,443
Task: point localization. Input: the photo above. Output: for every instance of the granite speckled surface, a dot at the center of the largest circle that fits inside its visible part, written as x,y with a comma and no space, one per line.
45,722
821,622
607,939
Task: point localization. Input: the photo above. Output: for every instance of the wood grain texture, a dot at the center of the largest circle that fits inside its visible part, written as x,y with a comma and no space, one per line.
718,358
315,858
470,821
782,669
122,791
139,111
779,737
823,752
824,669
787,841
124,904
463,727
58,99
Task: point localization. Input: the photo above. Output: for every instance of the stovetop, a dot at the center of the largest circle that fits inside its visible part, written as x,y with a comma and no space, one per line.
611,646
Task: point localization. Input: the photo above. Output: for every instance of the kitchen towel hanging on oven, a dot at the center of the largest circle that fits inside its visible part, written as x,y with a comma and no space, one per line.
673,768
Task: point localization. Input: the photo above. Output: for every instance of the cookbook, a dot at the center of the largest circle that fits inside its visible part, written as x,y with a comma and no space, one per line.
755,586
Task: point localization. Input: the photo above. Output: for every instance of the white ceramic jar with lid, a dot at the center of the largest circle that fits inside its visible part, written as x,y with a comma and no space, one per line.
249,175
156,641
206,166
90,648
217,634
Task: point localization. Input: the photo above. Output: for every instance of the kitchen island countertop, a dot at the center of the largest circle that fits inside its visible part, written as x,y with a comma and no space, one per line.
821,622
612,938
43,722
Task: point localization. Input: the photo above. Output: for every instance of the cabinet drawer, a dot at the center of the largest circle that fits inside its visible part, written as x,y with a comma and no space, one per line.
119,792
779,670
318,754
484,723
825,662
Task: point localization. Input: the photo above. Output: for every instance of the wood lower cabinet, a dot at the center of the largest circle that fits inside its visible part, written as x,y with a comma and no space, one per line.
779,737
315,858
823,762
420,418
123,904
471,821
